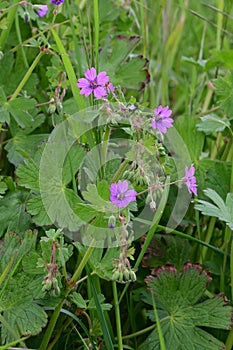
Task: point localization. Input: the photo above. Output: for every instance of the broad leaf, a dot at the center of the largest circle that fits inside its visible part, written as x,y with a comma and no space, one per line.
182,310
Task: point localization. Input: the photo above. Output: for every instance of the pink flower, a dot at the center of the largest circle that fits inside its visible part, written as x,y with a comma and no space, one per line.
190,179
97,84
41,10
120,195
161,119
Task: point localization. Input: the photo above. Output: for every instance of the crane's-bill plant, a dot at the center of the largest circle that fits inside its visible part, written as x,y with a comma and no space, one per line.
116,207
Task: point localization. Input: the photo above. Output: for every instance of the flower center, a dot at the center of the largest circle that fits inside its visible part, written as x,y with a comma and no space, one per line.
120,196
93,84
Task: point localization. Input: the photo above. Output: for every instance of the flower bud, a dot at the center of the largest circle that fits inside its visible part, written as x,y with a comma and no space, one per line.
112,222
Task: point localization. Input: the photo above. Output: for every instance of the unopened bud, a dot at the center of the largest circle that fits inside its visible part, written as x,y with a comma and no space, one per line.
112,222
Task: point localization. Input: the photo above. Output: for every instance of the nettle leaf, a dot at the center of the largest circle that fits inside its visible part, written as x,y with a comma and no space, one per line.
224,88
212,123
183,309
129,73
220,209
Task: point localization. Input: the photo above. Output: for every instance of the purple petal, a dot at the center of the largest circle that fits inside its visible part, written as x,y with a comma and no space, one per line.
99,92
86,91
83,83
131,195
113,189
102,78
41,10
122,186
90,74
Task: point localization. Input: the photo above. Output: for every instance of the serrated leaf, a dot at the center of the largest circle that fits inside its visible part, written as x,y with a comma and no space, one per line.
129,73
13,216
78,300
219,209
3,188
23,146
177,297
36,208
224,88
19,309
101,261
223,58
212,123
19,108
28,174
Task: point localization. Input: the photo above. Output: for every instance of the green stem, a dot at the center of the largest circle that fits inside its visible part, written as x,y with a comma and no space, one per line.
161,338
142,331
83,262
96,33
220,4
69,70
18,32
231,269
55,315
119,171
191,238
117,315
26,77
208,237
152,230
229,341
143,27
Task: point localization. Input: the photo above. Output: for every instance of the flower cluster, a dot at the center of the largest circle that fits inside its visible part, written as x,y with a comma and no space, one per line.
99,84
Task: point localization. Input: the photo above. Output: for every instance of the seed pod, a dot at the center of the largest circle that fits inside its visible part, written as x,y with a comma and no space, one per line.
115,275
132,276
126,275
